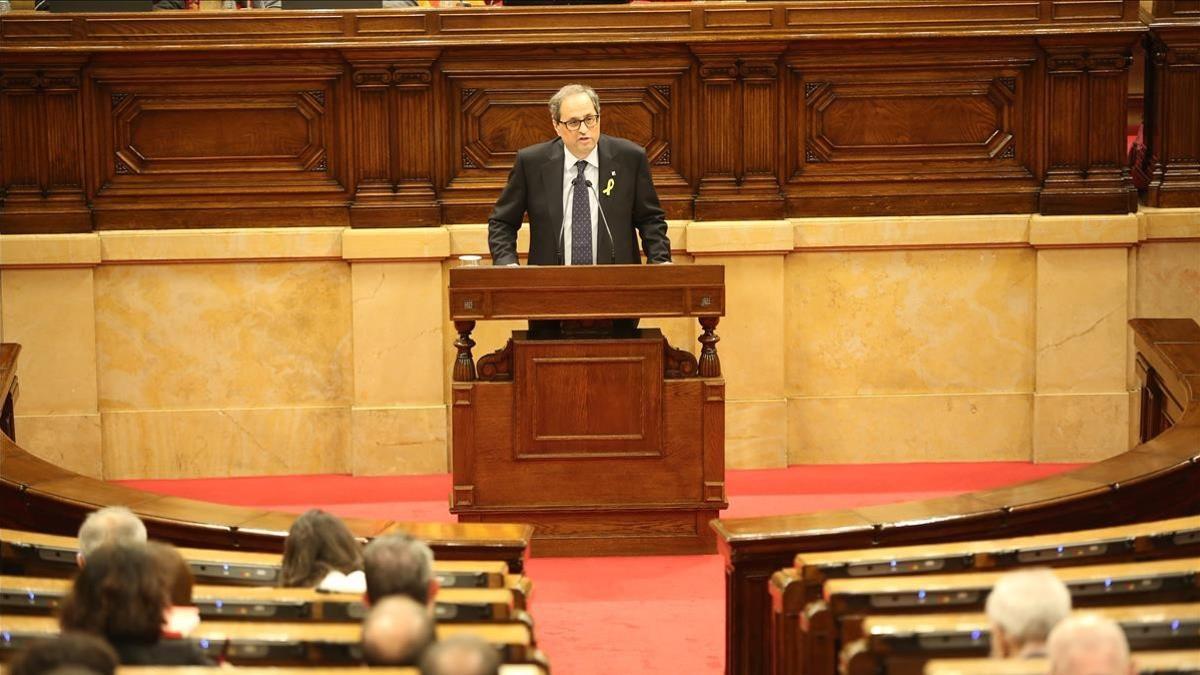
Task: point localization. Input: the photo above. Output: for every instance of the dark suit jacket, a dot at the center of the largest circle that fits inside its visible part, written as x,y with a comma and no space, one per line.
535,186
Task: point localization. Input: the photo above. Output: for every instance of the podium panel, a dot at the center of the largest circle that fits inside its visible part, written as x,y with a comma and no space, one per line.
608,443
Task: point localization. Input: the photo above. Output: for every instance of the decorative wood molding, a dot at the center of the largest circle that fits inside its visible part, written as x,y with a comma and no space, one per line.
497,366
678,363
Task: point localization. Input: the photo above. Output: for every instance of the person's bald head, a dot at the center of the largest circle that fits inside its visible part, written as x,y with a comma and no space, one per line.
1087,644
461,655
110,525
396,632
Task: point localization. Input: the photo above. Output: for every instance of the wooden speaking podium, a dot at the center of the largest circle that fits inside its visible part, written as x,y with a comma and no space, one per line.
608,441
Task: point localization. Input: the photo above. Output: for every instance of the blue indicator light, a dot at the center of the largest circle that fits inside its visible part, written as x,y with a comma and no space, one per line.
975,635
220,604
893,564
1060,549
32,596
7,636
204,644
921,595
225,567
1107,583
1175,625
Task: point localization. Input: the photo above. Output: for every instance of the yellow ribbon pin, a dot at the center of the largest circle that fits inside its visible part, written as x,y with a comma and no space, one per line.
608,188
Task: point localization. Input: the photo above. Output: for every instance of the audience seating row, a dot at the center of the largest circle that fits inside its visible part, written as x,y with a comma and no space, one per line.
1148,663
39,595
289,644
506,669
901,645
33,553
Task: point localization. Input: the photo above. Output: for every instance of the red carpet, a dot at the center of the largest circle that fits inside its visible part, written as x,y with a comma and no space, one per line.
624,615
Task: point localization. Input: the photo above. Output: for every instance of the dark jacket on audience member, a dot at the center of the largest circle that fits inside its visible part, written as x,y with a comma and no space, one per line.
162,653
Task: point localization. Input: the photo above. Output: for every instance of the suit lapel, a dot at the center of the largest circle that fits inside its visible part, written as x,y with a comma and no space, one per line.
552,179
608,164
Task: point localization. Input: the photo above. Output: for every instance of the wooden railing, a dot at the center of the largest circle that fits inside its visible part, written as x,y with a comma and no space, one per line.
413,116
1160,478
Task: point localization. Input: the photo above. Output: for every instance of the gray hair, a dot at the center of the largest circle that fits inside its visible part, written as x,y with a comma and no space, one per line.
1088,643
462,654
110,525
397,564
396,632
570,90
1027,604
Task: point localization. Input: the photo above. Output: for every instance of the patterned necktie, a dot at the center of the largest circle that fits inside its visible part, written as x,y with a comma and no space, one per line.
581,219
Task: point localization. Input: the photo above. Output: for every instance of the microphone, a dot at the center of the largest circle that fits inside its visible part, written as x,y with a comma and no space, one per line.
612,244
560,243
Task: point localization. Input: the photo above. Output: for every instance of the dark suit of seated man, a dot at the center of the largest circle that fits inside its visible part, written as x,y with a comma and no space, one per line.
585,194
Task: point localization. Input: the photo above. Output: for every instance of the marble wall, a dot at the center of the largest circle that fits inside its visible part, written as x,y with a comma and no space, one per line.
302,350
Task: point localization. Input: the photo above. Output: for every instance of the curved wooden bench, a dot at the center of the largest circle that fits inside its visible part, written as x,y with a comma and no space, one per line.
37,495
1158,479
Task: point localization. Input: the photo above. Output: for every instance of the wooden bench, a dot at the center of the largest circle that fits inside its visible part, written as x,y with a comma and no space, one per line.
837,619
1158,663
33,553
900,645
38,595
793,588
37,495
282,643
1158,479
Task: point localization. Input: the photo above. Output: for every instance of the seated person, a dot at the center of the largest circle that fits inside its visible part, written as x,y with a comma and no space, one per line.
78,650
109,525
181,616
321,552
461,655
1023,607
396,632
397,564
119,595
1087,644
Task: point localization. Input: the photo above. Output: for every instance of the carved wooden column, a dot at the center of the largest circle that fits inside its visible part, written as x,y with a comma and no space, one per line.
394,141
41,150
740,139
1173,106
1085,92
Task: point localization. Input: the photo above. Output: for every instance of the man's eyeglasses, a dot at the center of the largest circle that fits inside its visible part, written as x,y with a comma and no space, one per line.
590,121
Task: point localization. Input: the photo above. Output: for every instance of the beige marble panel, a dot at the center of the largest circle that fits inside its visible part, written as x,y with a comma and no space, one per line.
223,336
1080,427
268,243
46,250
752,341
69,441
1083,230
748,236
410,243
398,333
956,427
225,442
901,322
1169,223
907,231
1082,309
1168,279
399,440
50,312
756,434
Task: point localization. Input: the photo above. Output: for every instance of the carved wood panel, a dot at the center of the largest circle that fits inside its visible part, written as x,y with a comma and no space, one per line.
895,132
1173,109
223,138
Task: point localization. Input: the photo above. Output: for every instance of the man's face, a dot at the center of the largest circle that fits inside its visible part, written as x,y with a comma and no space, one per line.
574,108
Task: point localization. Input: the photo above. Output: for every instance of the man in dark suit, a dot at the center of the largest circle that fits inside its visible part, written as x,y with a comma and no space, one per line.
585,195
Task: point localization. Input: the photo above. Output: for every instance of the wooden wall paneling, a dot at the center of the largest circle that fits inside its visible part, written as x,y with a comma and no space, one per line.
1086,167
186,144
41,148
739,131
1173,107
394,138
496,105
912,127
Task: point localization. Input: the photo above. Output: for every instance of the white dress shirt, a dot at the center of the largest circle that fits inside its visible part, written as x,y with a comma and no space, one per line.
592,173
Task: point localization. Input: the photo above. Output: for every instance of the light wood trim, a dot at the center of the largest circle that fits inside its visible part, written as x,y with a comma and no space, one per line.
976,580
1145,662
903,625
